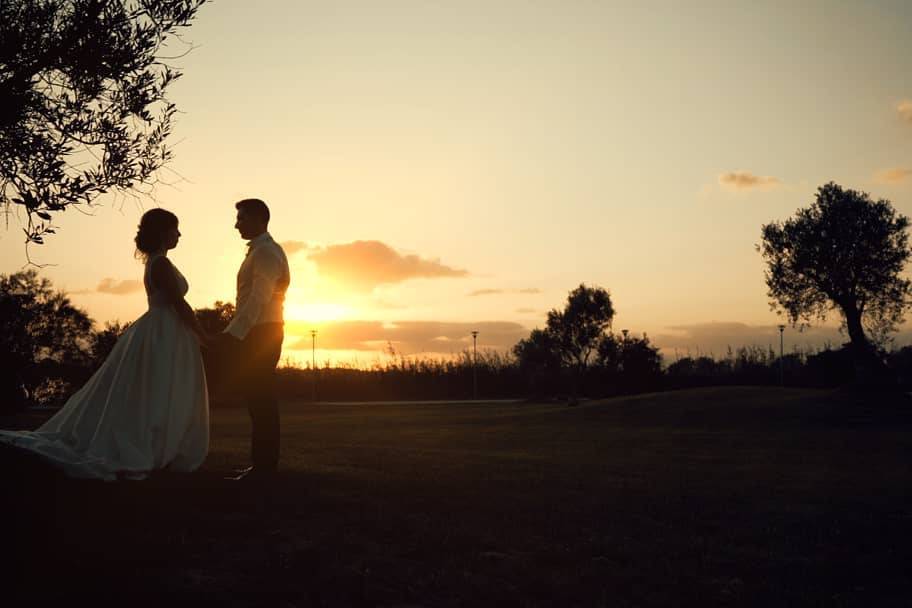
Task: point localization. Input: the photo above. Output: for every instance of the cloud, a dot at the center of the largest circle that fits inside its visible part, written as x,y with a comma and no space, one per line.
293,247
526,311
368,264
486,292
904,108
893,176
407,337
386,304
714,339
490,292
745,180
118,288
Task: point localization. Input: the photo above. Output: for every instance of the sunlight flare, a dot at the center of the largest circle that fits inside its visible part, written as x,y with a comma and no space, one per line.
316,312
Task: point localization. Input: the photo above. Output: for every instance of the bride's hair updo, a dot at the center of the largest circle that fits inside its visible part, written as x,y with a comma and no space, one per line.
152,228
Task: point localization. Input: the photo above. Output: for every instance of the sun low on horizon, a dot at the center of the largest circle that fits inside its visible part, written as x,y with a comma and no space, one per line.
316,313
438,169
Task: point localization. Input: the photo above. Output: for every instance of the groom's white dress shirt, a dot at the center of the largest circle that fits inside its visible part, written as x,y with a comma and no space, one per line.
261,284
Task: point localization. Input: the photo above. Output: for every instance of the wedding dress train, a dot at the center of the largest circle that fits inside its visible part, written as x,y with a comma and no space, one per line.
146,407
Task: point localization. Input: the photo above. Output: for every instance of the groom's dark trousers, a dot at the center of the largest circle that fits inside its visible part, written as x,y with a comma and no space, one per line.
259,354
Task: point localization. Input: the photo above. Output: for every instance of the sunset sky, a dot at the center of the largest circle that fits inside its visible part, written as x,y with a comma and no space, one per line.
434,168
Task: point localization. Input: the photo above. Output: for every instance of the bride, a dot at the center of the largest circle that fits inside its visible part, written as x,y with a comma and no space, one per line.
147,406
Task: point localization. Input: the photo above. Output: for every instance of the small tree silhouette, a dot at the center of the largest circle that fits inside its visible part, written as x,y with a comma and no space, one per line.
539,361
45,341
571,336
633,362
215,319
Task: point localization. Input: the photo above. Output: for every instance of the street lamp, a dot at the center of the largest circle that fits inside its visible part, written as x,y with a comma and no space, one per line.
474,365
313,365
781,374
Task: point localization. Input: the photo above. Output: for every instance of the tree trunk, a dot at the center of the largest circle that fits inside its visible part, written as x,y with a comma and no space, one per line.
576,377
870,370
860,343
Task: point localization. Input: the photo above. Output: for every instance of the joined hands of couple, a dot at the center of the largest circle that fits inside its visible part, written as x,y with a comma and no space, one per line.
216,341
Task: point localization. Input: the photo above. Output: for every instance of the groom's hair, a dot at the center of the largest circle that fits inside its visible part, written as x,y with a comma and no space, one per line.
254,207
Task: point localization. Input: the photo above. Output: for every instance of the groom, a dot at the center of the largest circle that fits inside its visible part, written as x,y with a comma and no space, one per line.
253,338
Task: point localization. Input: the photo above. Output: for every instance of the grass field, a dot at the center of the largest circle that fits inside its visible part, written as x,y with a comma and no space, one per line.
721,496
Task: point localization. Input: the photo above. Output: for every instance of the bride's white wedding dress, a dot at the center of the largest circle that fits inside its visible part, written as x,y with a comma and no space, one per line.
146,407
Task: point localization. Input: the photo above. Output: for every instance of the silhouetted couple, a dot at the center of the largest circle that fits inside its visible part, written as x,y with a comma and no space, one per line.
147,406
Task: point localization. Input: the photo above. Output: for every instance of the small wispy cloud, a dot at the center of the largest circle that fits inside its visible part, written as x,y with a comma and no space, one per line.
525,311
293,247
118,288
365,265
745,180
715,338
904,108
486,292
492,292
893,176
386,304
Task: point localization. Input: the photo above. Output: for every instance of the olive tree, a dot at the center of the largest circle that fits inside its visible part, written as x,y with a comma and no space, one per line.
845,253
83,107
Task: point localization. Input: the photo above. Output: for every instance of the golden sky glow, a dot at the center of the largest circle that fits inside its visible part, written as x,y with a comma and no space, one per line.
437,167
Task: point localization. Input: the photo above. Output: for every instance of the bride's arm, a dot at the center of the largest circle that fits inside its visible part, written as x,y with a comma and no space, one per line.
164,279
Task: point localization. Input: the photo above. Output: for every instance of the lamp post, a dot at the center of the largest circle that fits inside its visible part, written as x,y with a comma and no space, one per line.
781,374
474,365
313,365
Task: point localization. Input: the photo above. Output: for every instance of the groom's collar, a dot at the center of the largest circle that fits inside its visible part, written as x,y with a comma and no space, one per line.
258,240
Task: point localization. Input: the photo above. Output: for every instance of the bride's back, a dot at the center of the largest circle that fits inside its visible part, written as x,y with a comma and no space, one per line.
156,297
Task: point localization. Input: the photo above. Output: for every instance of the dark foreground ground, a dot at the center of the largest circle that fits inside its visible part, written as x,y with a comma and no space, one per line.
711,497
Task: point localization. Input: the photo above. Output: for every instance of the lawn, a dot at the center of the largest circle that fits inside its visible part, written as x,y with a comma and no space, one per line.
720,496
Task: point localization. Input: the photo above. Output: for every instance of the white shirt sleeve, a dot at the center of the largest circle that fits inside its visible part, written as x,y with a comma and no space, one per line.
267,269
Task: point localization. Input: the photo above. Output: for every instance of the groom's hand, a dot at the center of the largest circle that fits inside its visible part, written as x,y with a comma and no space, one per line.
223,361
226,341
206,340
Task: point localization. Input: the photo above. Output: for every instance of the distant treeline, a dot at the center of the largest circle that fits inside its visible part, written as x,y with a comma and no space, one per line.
49,348
408,378
500,375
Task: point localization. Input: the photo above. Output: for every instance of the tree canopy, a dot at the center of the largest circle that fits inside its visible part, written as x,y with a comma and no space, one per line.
43,337
216,318
634,362
83,109
577,329
571,337
539,360
844,252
